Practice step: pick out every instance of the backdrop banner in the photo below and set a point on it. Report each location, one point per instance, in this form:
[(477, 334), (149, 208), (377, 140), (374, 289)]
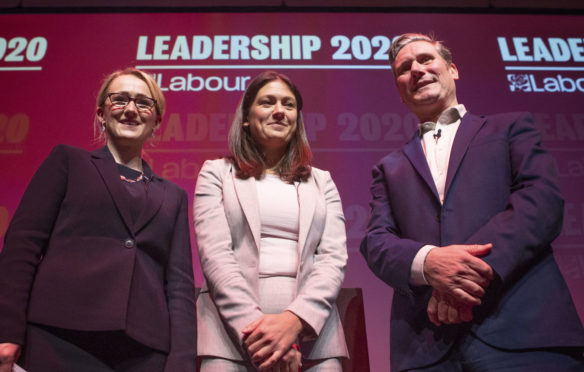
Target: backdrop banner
[(52, 65)]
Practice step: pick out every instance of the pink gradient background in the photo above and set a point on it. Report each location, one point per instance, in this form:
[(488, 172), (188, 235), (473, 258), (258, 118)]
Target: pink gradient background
[(353, 116)]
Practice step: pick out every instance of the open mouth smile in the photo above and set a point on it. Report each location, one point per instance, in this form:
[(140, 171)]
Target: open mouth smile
[(421, 85), (130, 123)]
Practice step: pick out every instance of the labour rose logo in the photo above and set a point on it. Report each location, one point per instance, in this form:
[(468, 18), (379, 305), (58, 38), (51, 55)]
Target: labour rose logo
[(519, 82)]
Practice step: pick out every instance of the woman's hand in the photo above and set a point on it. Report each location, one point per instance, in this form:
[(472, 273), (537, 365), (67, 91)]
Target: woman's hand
[(290, 362), (270, 337), (9, 353)]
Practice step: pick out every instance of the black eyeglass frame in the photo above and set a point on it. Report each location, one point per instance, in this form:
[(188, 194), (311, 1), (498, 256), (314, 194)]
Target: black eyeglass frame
[(130, 99)]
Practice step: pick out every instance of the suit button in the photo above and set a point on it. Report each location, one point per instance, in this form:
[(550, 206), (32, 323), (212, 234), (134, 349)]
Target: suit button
[(129, 243)]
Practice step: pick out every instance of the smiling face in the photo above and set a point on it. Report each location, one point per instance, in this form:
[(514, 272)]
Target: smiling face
[(272, 117), (128, 126), (425, 81)]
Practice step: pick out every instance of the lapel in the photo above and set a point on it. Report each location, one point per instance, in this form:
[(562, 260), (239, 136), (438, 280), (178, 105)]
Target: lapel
[(106, 166), (466, 131), (156, 195), (247, 195), (415, 153), (248, 200), (307, 194)]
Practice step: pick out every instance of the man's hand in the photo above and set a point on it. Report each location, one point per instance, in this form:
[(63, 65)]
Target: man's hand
[(9, 353), (269, 337), (458, 274), (444, 310)]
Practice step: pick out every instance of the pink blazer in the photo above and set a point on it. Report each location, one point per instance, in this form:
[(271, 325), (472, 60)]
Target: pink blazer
[(227, 227)]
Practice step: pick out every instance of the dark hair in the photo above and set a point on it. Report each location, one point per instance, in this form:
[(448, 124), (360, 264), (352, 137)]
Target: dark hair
[(405, 39), (247, 156)]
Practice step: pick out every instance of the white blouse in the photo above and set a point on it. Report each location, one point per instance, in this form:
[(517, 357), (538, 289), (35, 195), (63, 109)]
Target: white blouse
[(279, 210)]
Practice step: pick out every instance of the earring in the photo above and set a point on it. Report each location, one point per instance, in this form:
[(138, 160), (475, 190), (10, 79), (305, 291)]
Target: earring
[(153, 134), (102, 127)]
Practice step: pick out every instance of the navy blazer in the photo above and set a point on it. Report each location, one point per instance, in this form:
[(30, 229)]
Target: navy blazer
[(501, 188), (73, 258)]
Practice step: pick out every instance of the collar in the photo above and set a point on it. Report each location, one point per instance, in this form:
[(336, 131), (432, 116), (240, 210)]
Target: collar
[(449, 116), (146, 170)]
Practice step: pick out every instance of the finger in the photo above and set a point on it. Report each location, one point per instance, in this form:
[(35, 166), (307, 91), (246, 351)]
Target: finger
[(478, 249), (286, 366), (464, 297), (262, 353), (443, 312), (261, 350), (432, 310), (298, 361), (475, 270), (470, 287), (251, 326), (295, 364), (480, 266), (474, 261), (288, 361), (481, 269), (478, 279), (254, 338), (251, 346), (271, 360), (271, 369), (453, 317), (250, 339)]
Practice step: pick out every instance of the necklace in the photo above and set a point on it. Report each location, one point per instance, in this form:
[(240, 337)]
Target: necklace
[(140, 178)]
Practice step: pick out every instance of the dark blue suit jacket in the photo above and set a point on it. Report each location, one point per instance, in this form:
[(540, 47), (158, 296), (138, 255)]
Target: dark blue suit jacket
[(501, 188), (73, 258)]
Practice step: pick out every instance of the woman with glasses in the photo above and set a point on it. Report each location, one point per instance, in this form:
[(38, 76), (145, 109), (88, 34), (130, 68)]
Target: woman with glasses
[(271, 239), (96, 270)]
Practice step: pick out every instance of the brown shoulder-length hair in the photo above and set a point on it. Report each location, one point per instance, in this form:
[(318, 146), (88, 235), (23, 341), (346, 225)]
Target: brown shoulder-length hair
[(247, 156), (155, 90)]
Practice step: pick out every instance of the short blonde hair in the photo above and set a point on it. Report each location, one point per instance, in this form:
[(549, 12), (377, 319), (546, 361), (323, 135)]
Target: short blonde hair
[(155, 91)]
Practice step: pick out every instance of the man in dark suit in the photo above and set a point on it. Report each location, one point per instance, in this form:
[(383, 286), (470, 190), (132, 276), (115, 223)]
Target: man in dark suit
[(461, 224)]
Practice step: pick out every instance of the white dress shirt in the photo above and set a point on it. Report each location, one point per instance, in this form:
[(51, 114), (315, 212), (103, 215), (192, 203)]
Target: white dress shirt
[(437, 145)]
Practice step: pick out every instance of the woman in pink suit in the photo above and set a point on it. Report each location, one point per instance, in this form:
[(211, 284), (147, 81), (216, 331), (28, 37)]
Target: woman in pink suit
[(271, 238)]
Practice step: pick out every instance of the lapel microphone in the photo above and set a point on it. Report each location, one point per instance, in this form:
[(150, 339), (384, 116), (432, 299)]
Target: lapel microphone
[(437, 134)]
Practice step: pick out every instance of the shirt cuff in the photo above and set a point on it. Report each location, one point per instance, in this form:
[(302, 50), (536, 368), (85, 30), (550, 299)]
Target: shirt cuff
[(417, 277)]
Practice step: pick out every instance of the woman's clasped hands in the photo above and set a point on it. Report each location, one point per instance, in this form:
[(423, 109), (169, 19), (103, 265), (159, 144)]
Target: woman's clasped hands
[(270, 342)]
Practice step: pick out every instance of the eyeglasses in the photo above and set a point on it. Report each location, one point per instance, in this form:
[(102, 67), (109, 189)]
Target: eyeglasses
[(122, 100)]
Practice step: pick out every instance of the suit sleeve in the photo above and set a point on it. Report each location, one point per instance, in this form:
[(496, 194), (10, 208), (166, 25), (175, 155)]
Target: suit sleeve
[(387, 254), (180, 291), (315, 299), (522, 233), (231, 293), (25, 241)]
